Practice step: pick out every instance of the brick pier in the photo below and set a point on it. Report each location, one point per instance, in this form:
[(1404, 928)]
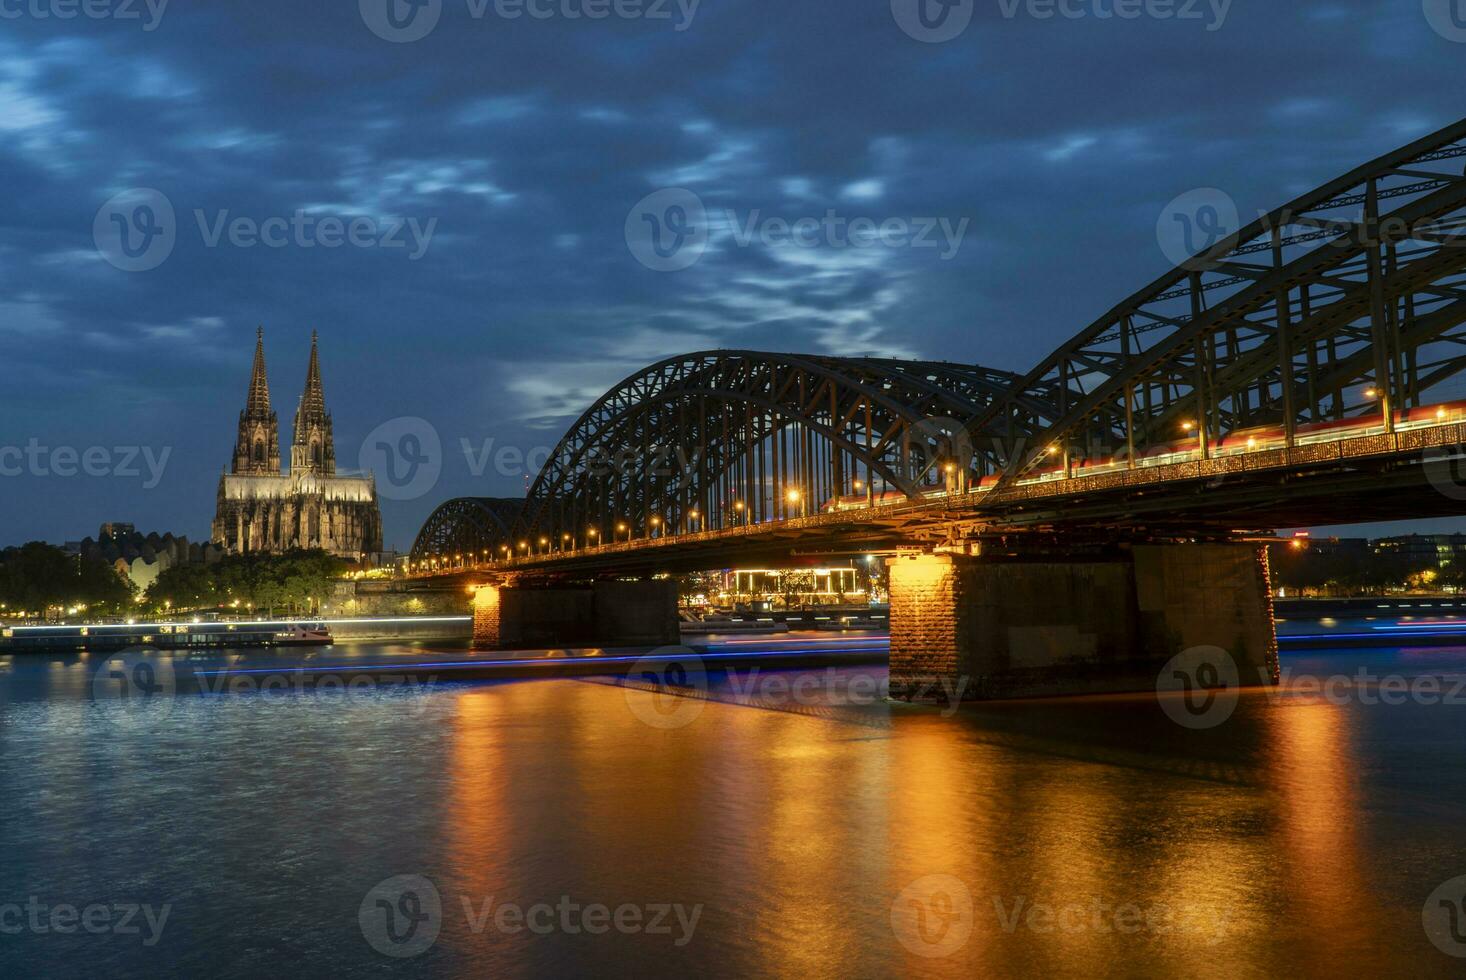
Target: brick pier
[(1015, 628), (604, 614)]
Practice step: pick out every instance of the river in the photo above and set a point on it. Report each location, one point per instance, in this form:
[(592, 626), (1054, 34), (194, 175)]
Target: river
[(789, 823)]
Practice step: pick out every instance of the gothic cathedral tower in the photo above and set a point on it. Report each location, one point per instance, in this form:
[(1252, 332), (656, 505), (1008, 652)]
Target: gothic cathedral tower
[(312, 450), (257, 448), (261, 510)]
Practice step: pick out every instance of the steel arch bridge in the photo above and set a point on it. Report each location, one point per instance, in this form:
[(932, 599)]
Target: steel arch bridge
[(469, 525), (1337, 314)]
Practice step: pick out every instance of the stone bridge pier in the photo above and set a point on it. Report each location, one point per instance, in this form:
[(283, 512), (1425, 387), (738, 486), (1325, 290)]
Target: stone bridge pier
[(1009, 627), (507, 617)]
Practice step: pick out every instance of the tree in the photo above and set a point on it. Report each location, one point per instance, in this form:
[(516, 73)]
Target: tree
[(38, 576), (297, 581)]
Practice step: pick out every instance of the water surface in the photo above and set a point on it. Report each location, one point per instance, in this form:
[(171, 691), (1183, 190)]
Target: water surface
[(824, 833)]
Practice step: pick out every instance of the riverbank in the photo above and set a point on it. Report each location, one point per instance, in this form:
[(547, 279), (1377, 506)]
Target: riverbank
[(1400, 605)]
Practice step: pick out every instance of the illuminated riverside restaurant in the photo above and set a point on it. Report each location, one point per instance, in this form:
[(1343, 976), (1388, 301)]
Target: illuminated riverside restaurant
[(801, 586)]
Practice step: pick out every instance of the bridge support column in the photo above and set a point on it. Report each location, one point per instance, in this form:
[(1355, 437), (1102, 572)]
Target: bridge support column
[(1018, 628), (605, 614)]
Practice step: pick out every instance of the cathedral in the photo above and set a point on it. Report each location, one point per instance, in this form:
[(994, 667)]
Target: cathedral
[(261, 509)]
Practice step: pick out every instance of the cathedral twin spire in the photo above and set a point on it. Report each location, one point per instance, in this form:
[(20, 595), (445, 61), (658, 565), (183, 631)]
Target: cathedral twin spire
[(257, 449)]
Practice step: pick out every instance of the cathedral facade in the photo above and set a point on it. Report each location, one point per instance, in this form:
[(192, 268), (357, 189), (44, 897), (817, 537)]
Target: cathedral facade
[(261, 509)]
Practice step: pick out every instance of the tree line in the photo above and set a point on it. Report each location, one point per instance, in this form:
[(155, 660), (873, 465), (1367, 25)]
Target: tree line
[(38, 577), (291, 583)]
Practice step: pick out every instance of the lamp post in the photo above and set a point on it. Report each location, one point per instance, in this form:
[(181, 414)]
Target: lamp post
[(795, 499), (654, 524)]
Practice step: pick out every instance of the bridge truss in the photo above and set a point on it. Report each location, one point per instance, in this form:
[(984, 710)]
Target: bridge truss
[(1345, 305)]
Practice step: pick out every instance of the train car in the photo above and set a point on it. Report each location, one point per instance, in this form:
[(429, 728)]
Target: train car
[(860, 501)]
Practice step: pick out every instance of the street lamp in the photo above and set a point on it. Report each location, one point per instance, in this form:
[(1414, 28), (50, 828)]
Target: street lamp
[(589, 534), (742, 509), (796, 498), (623, 528), (656, 522), (691, 516)]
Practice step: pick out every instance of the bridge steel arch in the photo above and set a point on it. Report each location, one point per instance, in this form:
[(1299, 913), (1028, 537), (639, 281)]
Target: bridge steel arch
[(718, 438), (1341, 304), (1345, 304), (477, 527)]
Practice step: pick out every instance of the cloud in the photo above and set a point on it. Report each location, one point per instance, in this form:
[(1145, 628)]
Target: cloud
[(1058, 142)]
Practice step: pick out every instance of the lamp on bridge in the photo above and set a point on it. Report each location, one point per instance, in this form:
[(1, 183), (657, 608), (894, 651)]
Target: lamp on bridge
[(692, 515), (796, 499), (655, 523), (590, 534), (741, 508), (543, 543), (624, 528)]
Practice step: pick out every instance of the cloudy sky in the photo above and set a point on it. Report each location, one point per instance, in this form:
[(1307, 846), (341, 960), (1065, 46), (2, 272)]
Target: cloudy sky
[(488, 160)]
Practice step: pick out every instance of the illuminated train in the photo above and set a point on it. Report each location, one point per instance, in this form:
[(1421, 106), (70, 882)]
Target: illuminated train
[(1252, 440)]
